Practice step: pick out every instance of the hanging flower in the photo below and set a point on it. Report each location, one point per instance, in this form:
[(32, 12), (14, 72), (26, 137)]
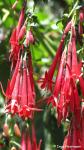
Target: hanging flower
[(17, 34), (65, 96), (47, 81), (20, 91)]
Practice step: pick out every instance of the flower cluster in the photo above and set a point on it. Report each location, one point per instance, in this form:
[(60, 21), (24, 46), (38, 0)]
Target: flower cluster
[(19, 35), (65, 96), (20, 90), (47, 81)]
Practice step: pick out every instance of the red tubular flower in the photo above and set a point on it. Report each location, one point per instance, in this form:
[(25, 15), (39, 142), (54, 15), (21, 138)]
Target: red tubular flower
[(20, 90), (76, 67), (67, 28), (13, 40), (8, 93), (60, 109), (49, 75), (16, 87), (58, 83), (69, 56), (24, 85), (23, 142), (72, 100), (81, 14), (67, 74), (22, 33), (31, 100), (20, 22), (76, 100), (74, 54), (15, 46), (30, 69), (65, 88), (31, 37), (59, 76), (12, 82), (47, 82), (13, 89)]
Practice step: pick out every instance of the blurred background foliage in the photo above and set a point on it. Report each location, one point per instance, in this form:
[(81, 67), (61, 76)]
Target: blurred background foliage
[(49, 19)]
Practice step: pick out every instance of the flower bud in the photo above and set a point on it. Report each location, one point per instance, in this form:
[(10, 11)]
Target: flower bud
[(81, 15), (22, 33), (73, 31), (17, 130), (31, 38), (6, 129), (68, 27)]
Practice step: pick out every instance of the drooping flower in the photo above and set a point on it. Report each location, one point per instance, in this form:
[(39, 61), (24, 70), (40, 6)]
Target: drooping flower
[(58, 81), (74, 53), (30, 69), (17, 34), (47, 81), (65, 96), (59, 76), (20, 90)]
